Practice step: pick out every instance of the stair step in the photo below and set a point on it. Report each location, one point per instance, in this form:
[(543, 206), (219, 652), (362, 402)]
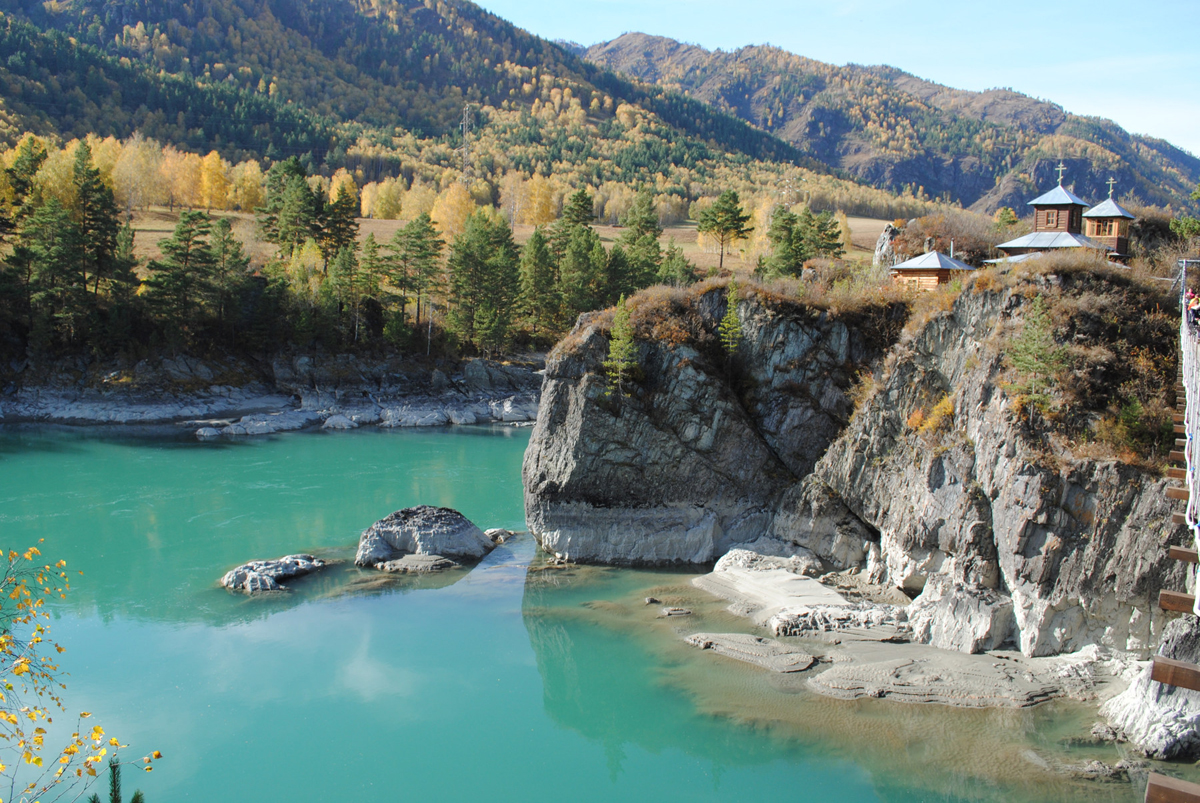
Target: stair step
[(1181, 443), (1177, 457), (1180, 494), (1184, 554), (1179, 518), (1180, 429), (1177, 418), (1176, 601), (1164, 789), (1175, 473)]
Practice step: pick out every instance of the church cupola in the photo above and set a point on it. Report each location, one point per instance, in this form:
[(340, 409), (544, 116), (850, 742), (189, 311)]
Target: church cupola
[(1059, 210), (1108, 223)]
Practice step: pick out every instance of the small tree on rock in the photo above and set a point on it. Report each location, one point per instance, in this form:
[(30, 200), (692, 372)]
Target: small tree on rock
[(731, 325), (622, 349)]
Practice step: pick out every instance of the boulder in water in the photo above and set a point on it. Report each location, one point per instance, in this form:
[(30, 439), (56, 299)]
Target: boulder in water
[(422, 530), (266, 575)]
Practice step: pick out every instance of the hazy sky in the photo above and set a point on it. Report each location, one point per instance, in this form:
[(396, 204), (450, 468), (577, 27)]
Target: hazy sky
[(1135, 62)]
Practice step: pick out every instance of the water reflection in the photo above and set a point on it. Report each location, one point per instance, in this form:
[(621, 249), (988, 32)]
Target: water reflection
[(616, 673)]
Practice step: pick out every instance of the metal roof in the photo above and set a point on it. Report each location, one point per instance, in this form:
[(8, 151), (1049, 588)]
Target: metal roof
[(1059, 196), (1053, 239), (1017, 258), (1109, 208), (934, 260)]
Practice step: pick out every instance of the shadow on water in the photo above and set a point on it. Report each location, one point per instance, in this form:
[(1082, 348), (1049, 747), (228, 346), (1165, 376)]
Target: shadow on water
[(615, 672)]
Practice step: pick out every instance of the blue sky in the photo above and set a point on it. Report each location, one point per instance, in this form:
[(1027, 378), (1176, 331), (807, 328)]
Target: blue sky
[(1137, 63)]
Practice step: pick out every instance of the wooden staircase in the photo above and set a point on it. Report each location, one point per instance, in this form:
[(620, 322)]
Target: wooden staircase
[(1161, 788)]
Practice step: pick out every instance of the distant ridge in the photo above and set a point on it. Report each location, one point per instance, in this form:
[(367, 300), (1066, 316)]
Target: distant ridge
[(895, 131)]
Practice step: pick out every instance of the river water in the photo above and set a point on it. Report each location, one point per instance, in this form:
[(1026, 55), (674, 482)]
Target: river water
[(512, 681)]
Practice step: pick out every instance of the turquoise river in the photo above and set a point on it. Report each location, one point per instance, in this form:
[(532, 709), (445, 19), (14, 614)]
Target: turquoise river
[(513, 681)]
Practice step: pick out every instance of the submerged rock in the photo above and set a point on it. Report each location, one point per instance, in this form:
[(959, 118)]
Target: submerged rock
[(266, 575), (417, 564), (767, 653), (424, 530), (1160, 720)]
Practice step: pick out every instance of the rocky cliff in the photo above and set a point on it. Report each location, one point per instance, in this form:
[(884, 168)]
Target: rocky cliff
[(939, 481)]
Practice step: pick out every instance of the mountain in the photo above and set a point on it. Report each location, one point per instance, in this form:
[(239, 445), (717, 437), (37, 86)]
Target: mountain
[(896, 131), (381, 64)]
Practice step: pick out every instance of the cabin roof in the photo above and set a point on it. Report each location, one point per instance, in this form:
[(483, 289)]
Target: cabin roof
[(1109, 208), (1053, 239), (934, 260), (1016, 258), (1059, 196)]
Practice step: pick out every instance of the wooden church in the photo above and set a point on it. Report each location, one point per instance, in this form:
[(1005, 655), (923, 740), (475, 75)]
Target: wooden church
[(1058, 218)]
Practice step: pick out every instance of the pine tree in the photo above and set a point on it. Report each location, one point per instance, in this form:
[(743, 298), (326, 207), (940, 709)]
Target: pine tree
[(622, 350), (413, 259), (731, 324), (583, 272), (675, 268), (340, 228), (577, 214), (726, 222), (96, 217), (484, 280), (539, 295), (229, 267), (182, 280), (640, 243), (1036, 356), (49, 251)]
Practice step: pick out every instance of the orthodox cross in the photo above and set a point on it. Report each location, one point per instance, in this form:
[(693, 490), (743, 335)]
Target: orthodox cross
[(1111, 182), (1061, 169)]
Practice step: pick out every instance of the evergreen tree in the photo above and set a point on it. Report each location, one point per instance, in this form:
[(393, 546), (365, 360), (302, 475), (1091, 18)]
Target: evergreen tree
[(182, 280), (413, 261), (640, 242), (484, 279), (782, 236), (29, 159), (539, 295), (726, 222), (96, 217), (344, 273), (620, 280), (818, 236), (583, 273), (340, 229), (114, 785), (577, 214), (278, 178), (675, 268), (1035, 355), (229, 266), (49, 250), (298, 220), (622, 350), (731, 324)]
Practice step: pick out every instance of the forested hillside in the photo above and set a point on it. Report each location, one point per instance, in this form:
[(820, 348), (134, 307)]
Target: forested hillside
[(895, 131)]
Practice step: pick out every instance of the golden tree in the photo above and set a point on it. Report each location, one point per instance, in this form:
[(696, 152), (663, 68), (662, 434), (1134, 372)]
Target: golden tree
[(214, 181), (452, 209)]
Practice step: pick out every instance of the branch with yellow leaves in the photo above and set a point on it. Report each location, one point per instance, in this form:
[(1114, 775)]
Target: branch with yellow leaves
[(30, 691)]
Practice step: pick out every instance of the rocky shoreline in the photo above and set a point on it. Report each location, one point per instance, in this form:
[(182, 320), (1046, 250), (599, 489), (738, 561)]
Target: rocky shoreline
[(230, 398)]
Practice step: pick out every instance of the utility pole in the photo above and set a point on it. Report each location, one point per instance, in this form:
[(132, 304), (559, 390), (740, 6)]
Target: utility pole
[(465, 150)]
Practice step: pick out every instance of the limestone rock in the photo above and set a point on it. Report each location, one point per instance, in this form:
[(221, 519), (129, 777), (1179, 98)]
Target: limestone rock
[(684, 466), (208, 433), (809, 620), (423, 530), (762, 593), (917, 674), (953, 616), (768, 553), (1161, 721), (885, 249), (767, 653), (338, 422), (266, 575)]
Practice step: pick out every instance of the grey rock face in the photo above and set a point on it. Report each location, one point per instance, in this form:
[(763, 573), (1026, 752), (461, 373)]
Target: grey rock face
[(684, 466), (885, 249), (417, 564), (1162, 721), (423, 530), (266, 575), (808, 620)]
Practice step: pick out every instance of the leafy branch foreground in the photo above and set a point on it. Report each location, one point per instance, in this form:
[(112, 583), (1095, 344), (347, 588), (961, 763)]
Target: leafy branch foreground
[(31, 683)]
